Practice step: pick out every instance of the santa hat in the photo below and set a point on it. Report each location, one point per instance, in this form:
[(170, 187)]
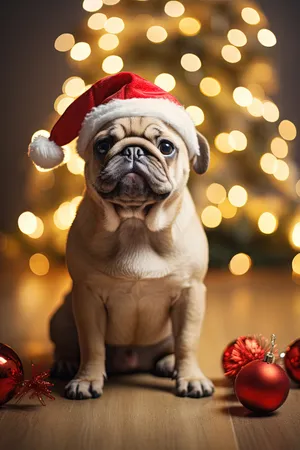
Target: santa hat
[(122, 95)]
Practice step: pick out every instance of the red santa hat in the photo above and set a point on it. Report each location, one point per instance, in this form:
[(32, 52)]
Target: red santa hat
[(122, 95)]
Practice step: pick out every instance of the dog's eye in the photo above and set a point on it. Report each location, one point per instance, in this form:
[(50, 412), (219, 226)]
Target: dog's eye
[(102, 146), (166, 148)]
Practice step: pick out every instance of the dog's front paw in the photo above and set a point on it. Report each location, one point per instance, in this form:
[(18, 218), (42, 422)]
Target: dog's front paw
[(82, 389), (194, 387)]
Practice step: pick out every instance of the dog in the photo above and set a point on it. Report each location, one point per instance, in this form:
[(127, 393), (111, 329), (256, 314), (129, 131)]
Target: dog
[(137, 254)]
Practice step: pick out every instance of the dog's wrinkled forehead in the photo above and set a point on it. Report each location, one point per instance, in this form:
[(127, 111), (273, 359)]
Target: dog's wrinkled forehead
[(149, 128)]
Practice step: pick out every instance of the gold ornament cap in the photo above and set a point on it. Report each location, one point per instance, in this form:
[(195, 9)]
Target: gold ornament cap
[(269, 356)]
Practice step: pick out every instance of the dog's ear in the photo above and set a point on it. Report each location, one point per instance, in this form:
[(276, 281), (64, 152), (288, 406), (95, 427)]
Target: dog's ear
[(201, 162)]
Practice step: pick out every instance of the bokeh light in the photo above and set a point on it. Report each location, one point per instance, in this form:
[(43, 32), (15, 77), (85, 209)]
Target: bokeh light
[(114, 25), (64, 216), (250, 16), (156, 34), (44, 133), (282, 171), (222, 143), (216, 193), (80, 51), (256, 108), (97, 21), (270, 111), (287, 130), (240, 264), (298, 188), (189, 26), (74, 86), (237, 37), (108, 41), (237, 140), (92, 5), (268, 163), (231, 54), (39, 264), (228, 211), (196, 114), (64, 42), (165, 81), (210, 86), (38, 232), (296, 264), (110, 2), (62, 103), (174, 9), (266, 37), (190, 62), (267, 223), (295, 235), (238, 196), (27, 222), (211, 216), (112, 64), (242, 96), (75, 165), (279, 147)]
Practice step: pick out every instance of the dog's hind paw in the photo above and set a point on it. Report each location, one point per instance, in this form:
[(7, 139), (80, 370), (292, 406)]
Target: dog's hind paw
[(65, 370)]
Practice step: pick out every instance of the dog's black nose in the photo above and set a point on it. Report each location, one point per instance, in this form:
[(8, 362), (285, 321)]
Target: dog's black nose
[(132, 152)]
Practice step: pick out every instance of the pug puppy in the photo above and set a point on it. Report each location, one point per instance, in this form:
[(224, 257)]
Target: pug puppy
[(138, 255)]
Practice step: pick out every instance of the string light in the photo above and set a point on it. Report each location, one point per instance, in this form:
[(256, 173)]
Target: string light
[(268, 163), (80, 51), (216, 193), (189, 26), (92, 5), (210, 87), (112, 64), (165, 81), (240, 264), (279, 147), (237, 140), (62, 103), (44, 133), (74, 86), (270, 111), (267, 223), (228, 211), (108, 41), (39, 264), (266, 37), (211, 216), (231, 54), (39, 229), (295, 235), (222, 143), (296, 264), (97, 21), (196, 114), (250, 16), (237, 37), (190, 62), (156, 34), (114, 25), (27, 222), (174, 9), (287, 130), (242, 96), (238, 196), (64, 42), (256, 108), (282, 171)]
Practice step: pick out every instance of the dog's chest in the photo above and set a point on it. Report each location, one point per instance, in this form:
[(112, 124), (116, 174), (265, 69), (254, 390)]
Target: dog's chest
[(138, 313)]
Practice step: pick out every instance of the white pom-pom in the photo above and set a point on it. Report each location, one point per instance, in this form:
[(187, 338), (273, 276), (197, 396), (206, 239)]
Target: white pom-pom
[(45, 153)]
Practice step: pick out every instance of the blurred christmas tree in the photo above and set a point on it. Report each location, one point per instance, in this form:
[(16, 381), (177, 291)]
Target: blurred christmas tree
[(215, 57)]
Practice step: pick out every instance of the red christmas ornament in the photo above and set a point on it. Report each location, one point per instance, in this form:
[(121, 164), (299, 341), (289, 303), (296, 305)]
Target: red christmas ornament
[(243, 350), (292, 361), (262, 386), (12, 383)]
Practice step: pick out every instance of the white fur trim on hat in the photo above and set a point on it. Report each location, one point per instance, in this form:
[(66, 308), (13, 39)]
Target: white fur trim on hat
[(161, 108), (45, 153)]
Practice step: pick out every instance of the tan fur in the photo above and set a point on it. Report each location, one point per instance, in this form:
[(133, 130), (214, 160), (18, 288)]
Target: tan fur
[(138, 278)]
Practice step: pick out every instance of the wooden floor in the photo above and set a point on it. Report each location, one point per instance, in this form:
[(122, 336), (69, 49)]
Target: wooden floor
[(141, 412)]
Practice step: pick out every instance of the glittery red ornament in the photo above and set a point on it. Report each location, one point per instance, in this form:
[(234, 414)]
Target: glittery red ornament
[(243, 350), (262, 387), (12, 383), (10, 367), (292, 361)]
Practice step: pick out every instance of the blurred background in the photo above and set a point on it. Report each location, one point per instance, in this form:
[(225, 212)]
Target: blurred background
[(232, 63)]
